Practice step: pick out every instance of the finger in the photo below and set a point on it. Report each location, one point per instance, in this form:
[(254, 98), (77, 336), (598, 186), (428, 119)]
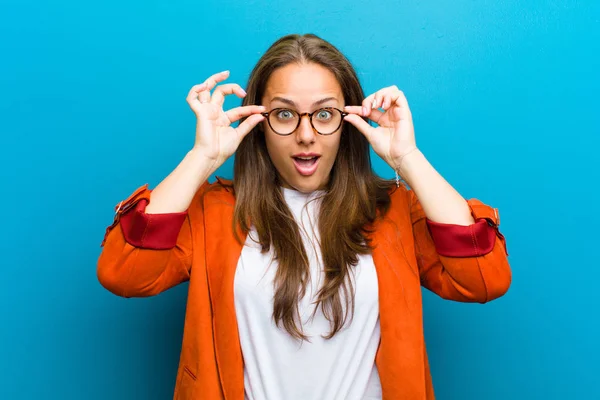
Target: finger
[(196, 88), (386, 100), (237, 113), (393, 96), (204, 96), (389, 96), (248, 124), (360, 124), (367, 104), (221, 91), (376, 100), (382, 98), (374, 115), (399, 99), (358, 110), (193, 93), (215, 79)]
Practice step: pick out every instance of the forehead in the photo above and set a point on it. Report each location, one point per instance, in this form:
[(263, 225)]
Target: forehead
[(304, 84)]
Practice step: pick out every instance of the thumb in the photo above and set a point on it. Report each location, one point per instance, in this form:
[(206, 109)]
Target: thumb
[(360, 124), (245, 127)]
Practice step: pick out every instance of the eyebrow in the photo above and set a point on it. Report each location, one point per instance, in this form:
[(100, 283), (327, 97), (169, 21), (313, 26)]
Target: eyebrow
[(291, 103)]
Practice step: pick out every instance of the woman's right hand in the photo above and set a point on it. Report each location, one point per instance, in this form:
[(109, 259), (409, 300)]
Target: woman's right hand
[(216, 139)]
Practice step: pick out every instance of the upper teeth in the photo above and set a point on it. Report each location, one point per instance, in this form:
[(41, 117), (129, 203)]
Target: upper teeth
[(306, 158)]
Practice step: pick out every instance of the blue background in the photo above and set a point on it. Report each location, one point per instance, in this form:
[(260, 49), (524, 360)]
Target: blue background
[(92, 105)]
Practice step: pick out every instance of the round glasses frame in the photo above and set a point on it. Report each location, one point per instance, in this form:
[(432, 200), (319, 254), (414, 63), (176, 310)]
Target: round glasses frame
[(267, 115)]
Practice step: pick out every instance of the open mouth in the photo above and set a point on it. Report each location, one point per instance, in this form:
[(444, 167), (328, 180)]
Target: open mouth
[(306, 165)]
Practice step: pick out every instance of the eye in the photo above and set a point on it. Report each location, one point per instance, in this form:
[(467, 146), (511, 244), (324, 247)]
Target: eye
[(285, 115), (324, 115)]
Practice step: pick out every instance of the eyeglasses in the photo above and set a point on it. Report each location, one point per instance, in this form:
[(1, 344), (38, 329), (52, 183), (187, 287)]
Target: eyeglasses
[(324, 121)]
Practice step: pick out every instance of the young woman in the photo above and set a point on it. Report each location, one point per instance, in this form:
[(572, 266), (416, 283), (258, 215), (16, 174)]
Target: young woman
[(305, 270)]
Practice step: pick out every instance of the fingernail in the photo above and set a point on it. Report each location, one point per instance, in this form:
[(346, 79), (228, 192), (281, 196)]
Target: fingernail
[(364, 111)]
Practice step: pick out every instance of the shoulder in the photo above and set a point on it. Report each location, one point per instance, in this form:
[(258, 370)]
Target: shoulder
[(219, 191), (403, 204), (401, 197)]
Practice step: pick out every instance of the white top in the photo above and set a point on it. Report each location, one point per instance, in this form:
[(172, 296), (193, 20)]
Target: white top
[(277, 366)]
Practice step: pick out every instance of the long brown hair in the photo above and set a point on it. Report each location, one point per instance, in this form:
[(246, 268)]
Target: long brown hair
[(353, 197)]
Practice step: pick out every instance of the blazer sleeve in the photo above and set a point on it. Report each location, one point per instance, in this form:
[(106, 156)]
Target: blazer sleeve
[(461, 263), (146, 254)]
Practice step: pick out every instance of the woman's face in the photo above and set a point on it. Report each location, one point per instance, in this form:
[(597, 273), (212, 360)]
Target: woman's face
[(303, 159)]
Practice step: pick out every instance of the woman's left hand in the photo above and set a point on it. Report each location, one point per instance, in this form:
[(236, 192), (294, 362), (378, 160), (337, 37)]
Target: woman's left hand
[(395, 136)]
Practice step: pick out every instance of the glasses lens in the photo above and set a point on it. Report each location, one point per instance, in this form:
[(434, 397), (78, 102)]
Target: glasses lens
[(327, 120), (283, 121)]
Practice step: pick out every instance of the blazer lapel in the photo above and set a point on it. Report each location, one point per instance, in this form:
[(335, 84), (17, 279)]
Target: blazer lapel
[(222, 255), (400, 313)]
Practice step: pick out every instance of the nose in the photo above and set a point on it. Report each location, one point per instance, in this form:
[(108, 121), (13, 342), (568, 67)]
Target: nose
[(305, 134)]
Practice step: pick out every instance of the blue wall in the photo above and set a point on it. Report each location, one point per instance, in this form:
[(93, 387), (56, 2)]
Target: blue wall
[(92, 105)]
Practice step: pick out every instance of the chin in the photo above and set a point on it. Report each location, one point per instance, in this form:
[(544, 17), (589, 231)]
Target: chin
[(307, 186)]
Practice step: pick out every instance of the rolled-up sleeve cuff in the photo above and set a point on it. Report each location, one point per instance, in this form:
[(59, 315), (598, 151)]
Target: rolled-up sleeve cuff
[(463, 241), (151, 231)]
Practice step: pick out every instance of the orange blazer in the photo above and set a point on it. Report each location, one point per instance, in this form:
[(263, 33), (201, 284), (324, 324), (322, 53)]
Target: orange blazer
[(145, 254)]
